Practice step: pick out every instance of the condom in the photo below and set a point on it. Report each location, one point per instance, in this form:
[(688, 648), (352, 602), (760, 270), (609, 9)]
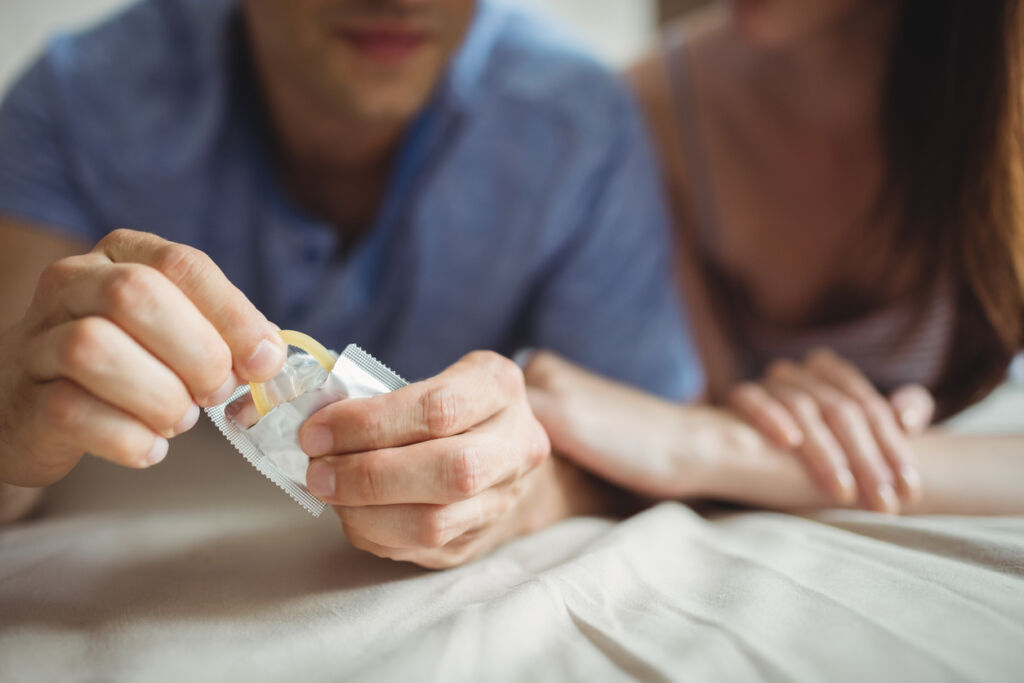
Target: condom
[(262, 420)]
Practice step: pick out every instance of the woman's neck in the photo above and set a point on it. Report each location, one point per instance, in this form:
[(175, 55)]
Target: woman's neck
[(831, 78)]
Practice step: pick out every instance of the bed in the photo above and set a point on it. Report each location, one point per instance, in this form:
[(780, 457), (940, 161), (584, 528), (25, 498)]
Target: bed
[(199, 569)]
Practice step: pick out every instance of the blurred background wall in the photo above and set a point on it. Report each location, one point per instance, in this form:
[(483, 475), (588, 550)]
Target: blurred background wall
[(616, 30)]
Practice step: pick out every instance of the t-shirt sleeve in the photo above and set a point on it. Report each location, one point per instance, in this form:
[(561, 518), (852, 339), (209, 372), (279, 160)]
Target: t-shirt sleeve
[(38, 172), (610, 301)]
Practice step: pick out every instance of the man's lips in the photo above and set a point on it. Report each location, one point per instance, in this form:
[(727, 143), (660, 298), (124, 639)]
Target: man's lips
[(386, 45)]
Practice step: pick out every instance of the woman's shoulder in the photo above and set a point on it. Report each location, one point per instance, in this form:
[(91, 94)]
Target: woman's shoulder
[(699, 30), (654, 81), (654, 77)]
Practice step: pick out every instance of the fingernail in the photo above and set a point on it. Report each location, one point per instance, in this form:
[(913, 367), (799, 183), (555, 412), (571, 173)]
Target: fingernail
[(911, 481), (794, 438), (846, 486), (222, 394), (911, 418), (266, 360), (158, 452), (316, 440), (886, 500), (320, 479), (232, 409), (188, 421)]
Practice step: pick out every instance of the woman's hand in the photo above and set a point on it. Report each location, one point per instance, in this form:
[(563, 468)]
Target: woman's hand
[(852, 439)]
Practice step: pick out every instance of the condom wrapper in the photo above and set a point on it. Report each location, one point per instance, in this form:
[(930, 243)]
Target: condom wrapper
[(262, 421)]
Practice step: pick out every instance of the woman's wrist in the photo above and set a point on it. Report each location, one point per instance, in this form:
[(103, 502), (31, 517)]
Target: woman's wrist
[(635, 440), (647, 445), (698, 449), (723, 457)]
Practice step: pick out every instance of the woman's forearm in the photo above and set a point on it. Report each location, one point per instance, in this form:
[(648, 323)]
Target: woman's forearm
[(970, 474), (962, 474), (664, 450)]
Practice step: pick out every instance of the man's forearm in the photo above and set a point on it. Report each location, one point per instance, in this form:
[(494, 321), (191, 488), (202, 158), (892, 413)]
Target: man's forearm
[(979, 475)]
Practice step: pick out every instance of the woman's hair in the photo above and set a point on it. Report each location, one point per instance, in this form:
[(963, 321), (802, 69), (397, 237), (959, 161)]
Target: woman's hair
[(953, 134)]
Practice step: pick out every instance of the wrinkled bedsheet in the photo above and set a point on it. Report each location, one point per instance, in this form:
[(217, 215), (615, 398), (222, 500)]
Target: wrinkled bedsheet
[(199, 569)]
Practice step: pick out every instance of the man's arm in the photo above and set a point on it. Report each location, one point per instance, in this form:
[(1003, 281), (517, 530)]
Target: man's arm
[(25, 250)]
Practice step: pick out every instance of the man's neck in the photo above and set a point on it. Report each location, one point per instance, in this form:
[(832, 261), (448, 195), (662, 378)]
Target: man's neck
[(312, 139), (334, 167)]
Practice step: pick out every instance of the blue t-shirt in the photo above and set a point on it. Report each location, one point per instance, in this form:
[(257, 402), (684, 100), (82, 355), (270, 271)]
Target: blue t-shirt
[(525, 208)]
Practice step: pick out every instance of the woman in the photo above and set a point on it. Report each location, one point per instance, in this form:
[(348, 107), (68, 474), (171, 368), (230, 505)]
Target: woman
[(847, 181)]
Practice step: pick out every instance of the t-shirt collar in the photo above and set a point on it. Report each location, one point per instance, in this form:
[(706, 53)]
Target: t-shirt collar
[(466, 71)]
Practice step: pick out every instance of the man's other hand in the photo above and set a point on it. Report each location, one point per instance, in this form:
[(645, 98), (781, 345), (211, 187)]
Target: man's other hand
[(435, 473)]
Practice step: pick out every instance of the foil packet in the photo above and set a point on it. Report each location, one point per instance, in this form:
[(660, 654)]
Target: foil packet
[(262, 421)]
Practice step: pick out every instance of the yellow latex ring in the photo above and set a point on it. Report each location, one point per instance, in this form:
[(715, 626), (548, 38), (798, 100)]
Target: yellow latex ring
[(299, 341)]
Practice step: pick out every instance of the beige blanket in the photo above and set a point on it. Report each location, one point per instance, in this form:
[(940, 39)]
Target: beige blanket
[(201, 570)]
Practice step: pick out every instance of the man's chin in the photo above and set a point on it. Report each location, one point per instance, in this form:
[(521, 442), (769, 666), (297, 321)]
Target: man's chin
[(364, 93), (387, 108)]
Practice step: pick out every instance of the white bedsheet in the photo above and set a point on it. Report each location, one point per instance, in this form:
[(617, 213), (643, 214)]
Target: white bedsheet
[(201, 570)]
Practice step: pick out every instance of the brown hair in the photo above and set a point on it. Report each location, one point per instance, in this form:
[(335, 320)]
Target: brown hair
[(953, 132)]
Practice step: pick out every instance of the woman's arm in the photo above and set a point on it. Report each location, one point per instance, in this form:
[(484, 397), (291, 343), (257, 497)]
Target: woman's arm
[(664, 450), (650, 83), (961, 475)]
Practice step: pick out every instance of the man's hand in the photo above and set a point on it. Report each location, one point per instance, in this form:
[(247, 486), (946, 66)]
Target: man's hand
[(853, 440), (435, 473), (116, 353)]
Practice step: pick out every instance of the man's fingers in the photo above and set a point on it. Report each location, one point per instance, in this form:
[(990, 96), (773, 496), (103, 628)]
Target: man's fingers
[(769, 416), (459, 551), (256, 347), (425, 526), (362, 543), (72, 416), (441, 471), (101, 358), (820, 451), (915, 407), (466, 394), (157, 314)]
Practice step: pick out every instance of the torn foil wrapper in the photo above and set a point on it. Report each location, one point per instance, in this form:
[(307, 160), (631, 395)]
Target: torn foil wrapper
[(271, 444)]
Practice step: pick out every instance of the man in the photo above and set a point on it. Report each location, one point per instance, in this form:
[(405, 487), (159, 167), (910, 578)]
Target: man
[(421, 177)]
